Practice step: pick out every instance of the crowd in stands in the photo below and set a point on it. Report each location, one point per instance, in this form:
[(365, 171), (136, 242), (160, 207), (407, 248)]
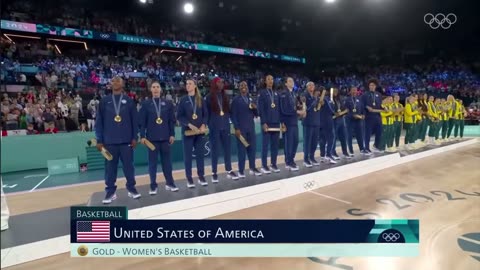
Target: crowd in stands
[(80, 17), (63, 93)]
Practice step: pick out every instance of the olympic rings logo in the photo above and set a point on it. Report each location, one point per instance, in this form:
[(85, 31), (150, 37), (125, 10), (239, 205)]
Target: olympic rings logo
[(104, 36), (309, 185), (207, 149), (391, 237), (440, 20)]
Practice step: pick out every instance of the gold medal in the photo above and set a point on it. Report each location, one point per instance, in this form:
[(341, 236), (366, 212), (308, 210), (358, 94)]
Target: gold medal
[(118, 118), (221, 113), (159, 120), (194, 116), (272, 105), (250, 106)]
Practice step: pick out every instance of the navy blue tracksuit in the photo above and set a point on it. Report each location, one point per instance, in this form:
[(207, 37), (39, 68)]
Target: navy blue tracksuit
[(158, 135), (116, 138), (242, 118), (373, 121), (326, 128), (339, 125), (355, 126), (311, 128), (288, 116), (219, 134), (271, 117), (185, 111)]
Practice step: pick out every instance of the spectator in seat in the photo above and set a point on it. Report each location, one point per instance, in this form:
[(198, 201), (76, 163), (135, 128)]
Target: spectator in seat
[(47, 118), (31, 130), (51, 129)]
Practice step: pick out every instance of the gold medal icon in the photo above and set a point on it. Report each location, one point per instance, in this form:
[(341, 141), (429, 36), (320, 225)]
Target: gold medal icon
[(273, 105), (222, 113), (194, 116), (159, 121), (82, 250), (118, 118)]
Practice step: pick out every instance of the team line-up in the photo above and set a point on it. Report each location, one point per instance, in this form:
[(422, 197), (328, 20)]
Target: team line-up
[(325, 115)]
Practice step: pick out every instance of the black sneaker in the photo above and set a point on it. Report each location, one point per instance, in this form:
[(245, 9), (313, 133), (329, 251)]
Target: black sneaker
[(255, 172), (274, 168), (190, 183), (214, 178), (307, 164), (202, 181), (241, 175), (109, 198), (134, 194), (232, 175), (314, 162), (266, 170), (294, 167), (153, 191)]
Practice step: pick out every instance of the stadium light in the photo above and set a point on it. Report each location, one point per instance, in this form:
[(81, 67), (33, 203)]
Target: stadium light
[(188, 8), (143, 1), (329, 1)]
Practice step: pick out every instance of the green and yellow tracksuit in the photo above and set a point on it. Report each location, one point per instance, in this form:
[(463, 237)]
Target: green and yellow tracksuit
[(444, 119), (410, 119), (433, 118), (460, 120), (397, 124), (387, 125), (423, 125), (452, 113)]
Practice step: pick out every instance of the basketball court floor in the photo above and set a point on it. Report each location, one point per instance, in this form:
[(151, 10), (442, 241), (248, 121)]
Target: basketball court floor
[(440, 186)]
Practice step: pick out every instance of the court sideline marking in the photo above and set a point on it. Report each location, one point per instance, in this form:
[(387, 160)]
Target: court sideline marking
[(328, 197), (46, 177)]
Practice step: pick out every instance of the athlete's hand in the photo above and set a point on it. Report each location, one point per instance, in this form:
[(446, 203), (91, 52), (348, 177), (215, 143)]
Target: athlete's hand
[(192, 127), (99, 147), (133, 144), (203, 129), (143, 140), (265, 128), (171, 140), (237, 132)]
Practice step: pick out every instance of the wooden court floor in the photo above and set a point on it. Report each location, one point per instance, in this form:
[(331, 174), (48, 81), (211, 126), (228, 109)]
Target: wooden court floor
[(443, 191)]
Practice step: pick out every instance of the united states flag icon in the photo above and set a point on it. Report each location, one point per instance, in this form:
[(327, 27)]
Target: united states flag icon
[(93, 231)]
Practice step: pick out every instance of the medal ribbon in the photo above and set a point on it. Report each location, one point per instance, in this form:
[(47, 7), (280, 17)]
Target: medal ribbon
[(158, 108), (117, 107)]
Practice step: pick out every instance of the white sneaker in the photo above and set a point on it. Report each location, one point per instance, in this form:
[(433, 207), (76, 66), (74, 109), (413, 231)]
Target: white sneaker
[(134, 195), (307, 164), (190, 185), (336, 157), (266, 170), (294, 168), (331, 160), (153, 191), (255, 172), (241, 175), (171, 188), (109, 199)]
